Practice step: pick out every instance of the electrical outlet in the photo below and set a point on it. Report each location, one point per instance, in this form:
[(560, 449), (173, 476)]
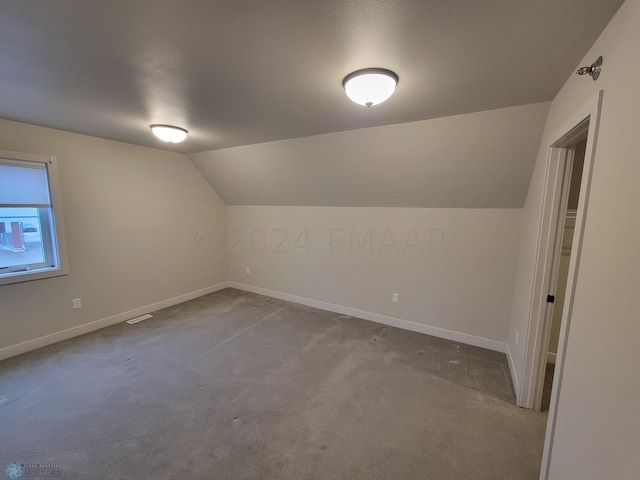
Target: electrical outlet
[(517, 335), (247, 271), (395, 298), (77, 303)]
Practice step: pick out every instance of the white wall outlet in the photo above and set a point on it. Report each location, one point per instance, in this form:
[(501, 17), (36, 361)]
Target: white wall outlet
[(77, 303), (517, 335), (247, 271), (395, 298)]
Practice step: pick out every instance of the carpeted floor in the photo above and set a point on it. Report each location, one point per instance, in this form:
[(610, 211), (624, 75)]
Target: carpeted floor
[(235, 386)]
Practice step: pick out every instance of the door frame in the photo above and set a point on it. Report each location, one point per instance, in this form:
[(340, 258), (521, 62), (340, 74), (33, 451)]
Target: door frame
[(560, 153), (560, 157), (565, 161)]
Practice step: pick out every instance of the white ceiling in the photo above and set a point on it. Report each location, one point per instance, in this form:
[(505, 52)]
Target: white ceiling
[(475, 160), (242, 72)]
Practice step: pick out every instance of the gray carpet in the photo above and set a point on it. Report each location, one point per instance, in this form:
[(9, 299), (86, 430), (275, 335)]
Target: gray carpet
[(240, 386)]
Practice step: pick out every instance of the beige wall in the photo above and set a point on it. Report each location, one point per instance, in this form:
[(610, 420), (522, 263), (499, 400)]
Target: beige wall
[(140, 225), (134, 225), (453, 268), (598, 428)]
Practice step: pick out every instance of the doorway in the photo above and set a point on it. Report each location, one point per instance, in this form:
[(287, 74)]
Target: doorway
[(562, 258), (563, 143)]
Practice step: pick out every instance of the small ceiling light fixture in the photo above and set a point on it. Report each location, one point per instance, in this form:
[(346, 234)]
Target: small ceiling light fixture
[(370, 86), (169, 133)]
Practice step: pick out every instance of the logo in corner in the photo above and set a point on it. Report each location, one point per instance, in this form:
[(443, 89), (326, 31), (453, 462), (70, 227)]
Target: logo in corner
[(14, 470)]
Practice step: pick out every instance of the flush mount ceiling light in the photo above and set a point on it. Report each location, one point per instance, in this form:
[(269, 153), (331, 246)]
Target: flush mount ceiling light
[(169, 133), (370, 86)]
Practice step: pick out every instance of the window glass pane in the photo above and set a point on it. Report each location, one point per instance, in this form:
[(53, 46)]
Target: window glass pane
[(21, 241)]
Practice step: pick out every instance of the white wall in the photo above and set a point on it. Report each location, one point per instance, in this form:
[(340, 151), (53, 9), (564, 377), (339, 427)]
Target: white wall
[(453, 268), (598, 427), (467, 173), (134, 225)]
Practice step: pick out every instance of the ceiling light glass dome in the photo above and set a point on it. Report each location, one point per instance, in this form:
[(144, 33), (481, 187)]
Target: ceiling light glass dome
[(169, 133), (370, 86)]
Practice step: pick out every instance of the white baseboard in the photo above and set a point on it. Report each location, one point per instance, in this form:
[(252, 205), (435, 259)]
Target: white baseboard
[(375, 317), (29, 345), (551, 357), (514, 374)]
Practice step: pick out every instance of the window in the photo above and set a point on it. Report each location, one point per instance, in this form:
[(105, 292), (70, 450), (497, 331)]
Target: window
[(31, 230)]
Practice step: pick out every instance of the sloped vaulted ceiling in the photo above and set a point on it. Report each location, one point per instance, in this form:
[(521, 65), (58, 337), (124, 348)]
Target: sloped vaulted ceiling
[(240, 72), (258, 85), (478, 160)]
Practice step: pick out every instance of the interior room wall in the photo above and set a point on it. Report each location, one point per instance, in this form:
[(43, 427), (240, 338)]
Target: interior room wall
[(141, 226), (467, 172), (597, 431), (452, 268)]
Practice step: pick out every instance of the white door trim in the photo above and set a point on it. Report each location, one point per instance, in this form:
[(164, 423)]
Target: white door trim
[(565, 135), (566, 166), (535, 351), (542, 275)]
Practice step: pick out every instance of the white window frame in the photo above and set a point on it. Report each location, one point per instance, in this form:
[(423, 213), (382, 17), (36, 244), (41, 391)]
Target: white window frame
[(61, 266)]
